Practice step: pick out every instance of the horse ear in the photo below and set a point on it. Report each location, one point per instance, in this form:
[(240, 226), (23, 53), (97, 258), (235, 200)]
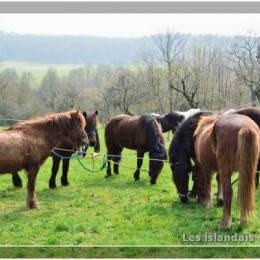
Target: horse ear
[(84, 114), (96, 112), (76, 114)]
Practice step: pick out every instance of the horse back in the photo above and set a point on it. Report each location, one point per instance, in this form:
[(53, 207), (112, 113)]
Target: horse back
[(126, 131), (252, 112)]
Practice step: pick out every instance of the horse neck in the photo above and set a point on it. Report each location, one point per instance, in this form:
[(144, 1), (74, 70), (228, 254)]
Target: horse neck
[(52, 136), (186, 140)]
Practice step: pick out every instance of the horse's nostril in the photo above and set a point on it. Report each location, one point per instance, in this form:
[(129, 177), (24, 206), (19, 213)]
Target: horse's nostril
[(92, 143)]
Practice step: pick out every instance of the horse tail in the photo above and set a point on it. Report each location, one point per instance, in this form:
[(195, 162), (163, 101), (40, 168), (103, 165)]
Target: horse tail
[(154, 138), (248, 153), (205, 120)]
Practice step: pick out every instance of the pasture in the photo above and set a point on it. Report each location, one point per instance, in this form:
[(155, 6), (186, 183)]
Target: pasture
[(95, 210)]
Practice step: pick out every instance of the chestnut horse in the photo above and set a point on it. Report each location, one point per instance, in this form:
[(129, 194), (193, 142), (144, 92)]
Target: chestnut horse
[(254, 114), (26, 145), (92, 132), (140, 133), (227, 144)]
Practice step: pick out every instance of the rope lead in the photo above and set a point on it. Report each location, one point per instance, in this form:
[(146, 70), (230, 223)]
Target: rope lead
[(103, 165)]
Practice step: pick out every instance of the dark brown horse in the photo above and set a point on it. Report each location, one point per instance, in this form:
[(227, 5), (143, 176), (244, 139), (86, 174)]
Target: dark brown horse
[(28, 144), (92, 132), (140, 133), (227, 144)]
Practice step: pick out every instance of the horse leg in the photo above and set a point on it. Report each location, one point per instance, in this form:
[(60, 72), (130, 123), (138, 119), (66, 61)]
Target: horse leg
[(193, 192), (17, 181), (31, 198), (204, 186), (109, 158), (118, 150), (65, 168), (257, 179), (207, 203), (54, 170), (140, 156), (220, 200), (225, 181), (155, 168)]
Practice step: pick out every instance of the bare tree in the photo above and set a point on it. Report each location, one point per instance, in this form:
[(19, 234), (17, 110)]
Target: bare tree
[(170, 46), (152, 78), (244, 54), (125, 91)]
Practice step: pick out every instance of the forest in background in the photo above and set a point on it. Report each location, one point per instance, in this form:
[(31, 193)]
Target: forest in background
[(167, 72)]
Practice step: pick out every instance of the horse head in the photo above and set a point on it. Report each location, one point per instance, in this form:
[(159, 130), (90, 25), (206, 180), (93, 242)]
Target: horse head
[(77, 133), (181, 166), (91, 129)]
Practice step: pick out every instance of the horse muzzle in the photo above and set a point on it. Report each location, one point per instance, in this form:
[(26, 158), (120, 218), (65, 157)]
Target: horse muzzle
[(92, 143), (183, 197)]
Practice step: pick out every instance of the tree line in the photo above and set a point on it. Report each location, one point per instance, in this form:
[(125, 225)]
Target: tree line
[(177, 73)]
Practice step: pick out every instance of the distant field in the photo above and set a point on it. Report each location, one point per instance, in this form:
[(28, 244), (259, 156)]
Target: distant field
[(94, 210), (38, 70)]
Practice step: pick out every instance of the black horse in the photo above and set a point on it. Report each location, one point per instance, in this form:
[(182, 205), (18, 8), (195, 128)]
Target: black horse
[(182, 151), (92, 132), (170, 121)]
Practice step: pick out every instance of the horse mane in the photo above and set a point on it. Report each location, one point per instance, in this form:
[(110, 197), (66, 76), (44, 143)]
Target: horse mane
[(154, 137), (65, 120), (182, 143), (189, 113), (174, 115), (205, 120)]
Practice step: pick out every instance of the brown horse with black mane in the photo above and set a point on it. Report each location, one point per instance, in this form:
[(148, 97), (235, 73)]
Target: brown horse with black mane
[(226, 144), (141, 133), (26, 145)]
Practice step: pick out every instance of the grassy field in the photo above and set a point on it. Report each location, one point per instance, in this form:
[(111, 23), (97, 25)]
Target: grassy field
[(94, 210), (38, 70)]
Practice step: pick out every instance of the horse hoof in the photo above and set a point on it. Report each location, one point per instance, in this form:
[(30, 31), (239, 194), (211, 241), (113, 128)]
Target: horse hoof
[(116, 173), (52, 185), (65, 183), (207, 204), (108, 176), (225, 224), (18, 185), (220, 202), (32, 205), (137, 178), (192, 195), (152, 182)]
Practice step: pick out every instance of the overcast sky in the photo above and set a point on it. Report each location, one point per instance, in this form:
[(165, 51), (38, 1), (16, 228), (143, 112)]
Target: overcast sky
[(129, 25)]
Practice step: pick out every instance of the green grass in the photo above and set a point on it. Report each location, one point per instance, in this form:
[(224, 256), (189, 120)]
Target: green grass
[(94, 210)]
